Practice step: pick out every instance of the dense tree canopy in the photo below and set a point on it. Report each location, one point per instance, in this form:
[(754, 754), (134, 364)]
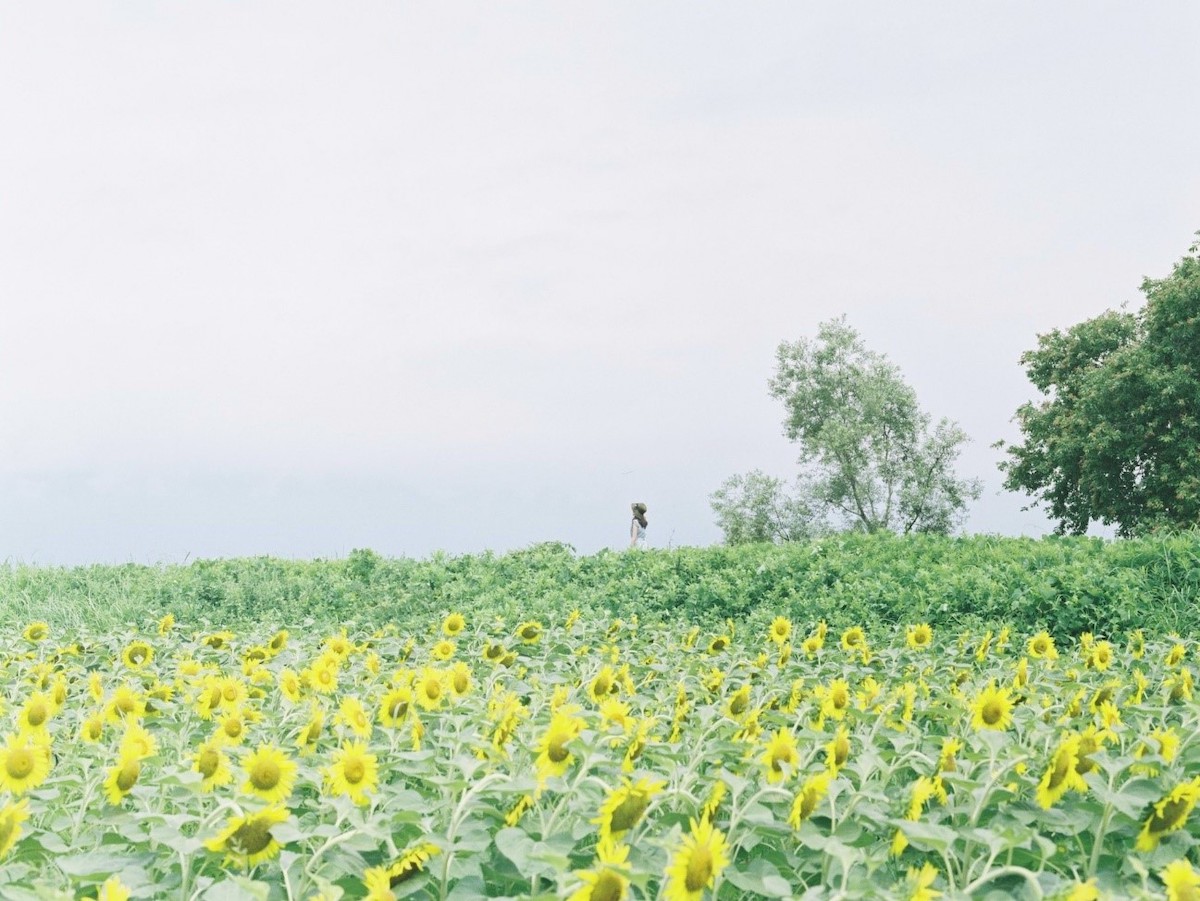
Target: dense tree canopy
[(870, 460), (1116, 438)]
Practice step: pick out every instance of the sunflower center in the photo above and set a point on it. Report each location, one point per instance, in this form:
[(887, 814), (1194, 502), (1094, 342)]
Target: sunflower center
[(739, 704), (529, 632), (233, 727), (608, 887), (36, 715), (628, 812), (398, 709), (208, 762), (354, 770), (138, 654), (433, 690), (265, 775), (1171, 816), (699, 869), (557, 751), (992, 713), (461, 682), (1062, 766), (252, 837), (128, 775), (841, 752), (19, 763)]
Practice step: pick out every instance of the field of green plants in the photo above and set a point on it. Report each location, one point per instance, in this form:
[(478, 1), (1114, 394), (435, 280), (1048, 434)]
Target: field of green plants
[(726, 723)]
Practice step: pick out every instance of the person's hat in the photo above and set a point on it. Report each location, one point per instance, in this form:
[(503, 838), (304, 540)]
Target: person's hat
[(638, 507)]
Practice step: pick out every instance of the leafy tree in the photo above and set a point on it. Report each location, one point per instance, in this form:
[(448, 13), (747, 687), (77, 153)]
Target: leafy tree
[(1116, 438), (870, 460), (757, 507)]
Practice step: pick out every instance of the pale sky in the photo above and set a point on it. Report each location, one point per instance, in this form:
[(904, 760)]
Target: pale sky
[(294, 278)]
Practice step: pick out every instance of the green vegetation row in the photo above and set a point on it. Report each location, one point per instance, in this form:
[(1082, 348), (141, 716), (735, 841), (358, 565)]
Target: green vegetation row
[(1067, 585)]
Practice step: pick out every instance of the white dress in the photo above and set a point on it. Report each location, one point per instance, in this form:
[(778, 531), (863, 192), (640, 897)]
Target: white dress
[(640, 539)]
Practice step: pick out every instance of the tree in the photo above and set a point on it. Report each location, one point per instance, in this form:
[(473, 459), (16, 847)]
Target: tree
[(756, 507), (869, 459), (1116, 438)]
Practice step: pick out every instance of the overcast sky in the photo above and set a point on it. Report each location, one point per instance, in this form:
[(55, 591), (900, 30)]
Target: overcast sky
[(295, 278)]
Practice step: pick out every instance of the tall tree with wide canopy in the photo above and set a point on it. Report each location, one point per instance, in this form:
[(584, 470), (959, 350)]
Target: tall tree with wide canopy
[(1116, 439)]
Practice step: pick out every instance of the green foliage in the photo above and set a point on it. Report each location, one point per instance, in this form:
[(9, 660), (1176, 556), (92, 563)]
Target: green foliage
[(1064, 584), (870, 457), (1115, 438), (756, 507)]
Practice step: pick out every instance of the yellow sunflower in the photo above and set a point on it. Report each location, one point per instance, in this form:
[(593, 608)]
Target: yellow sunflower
[(529, 632), (1168, 814), (696, 863), (430, 688), (309, 734), (459, 678), (137, 655), (166, 624), (602, 684), (11, 817), (290, 685), (606, 880), (38, 631), (278, 641), (212, 765), (624, 807), (781, 756), (853, 639), (554, 757), (91, 729), (453, 624), (270, 773), (24, 763), (354, 772), (354, 716), (780, 630), (122, 777), (113, 889), (1061, 776), (247, 840), (920, 880), (35, 712), (1181, 881), (738, 704), (837, 751), (809, 797), (992, 709), (442, 651), (919, 637), (125, 703), (394, 707), (1041, 647)]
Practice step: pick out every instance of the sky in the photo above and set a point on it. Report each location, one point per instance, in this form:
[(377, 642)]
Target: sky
[(297, 278)]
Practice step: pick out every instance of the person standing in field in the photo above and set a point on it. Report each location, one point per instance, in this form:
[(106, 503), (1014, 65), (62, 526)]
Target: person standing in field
[(637, 528)]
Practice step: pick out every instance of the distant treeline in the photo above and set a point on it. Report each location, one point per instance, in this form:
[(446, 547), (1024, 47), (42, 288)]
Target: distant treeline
[(1067, 585)]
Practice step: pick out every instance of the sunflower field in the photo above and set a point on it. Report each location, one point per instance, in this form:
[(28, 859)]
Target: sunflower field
[(593, 759)]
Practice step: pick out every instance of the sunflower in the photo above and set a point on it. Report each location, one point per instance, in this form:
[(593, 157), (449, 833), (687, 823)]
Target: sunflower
[(853, 639), (231, 728), (1041, 647), (946, 756), (554, 757), (696, 863), (529, 632), (738, 704), (412, 861), (919, 637), (572, 618), (780, 630), (602, 684), (1168, 814), (218, 640), (809, 797), (35, 713), (353, 715), (247, 840), (1061, 776), (290, 685), (1180, 880), (270, 774), (453, 624), (125, 703), (353, 772), (113, 889), (394, 707), (519, 810), (919, 881), (137, 655), (493, 652), (1137, 644), (837, 751), (122, 777), (430, 688), (91, 729), (624, 807), (459, 678), (11, 818), (443, 650), (212, 765), (992, 709), (378, 884), (836, 700), (278, 641), (1100, 656), (306, 740), (24, 763), (38, 631), (322, 677), (137, 741), (339, 645), (1177, 654), (811, 645), (718, 644), (781, 756), (606, 880)]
